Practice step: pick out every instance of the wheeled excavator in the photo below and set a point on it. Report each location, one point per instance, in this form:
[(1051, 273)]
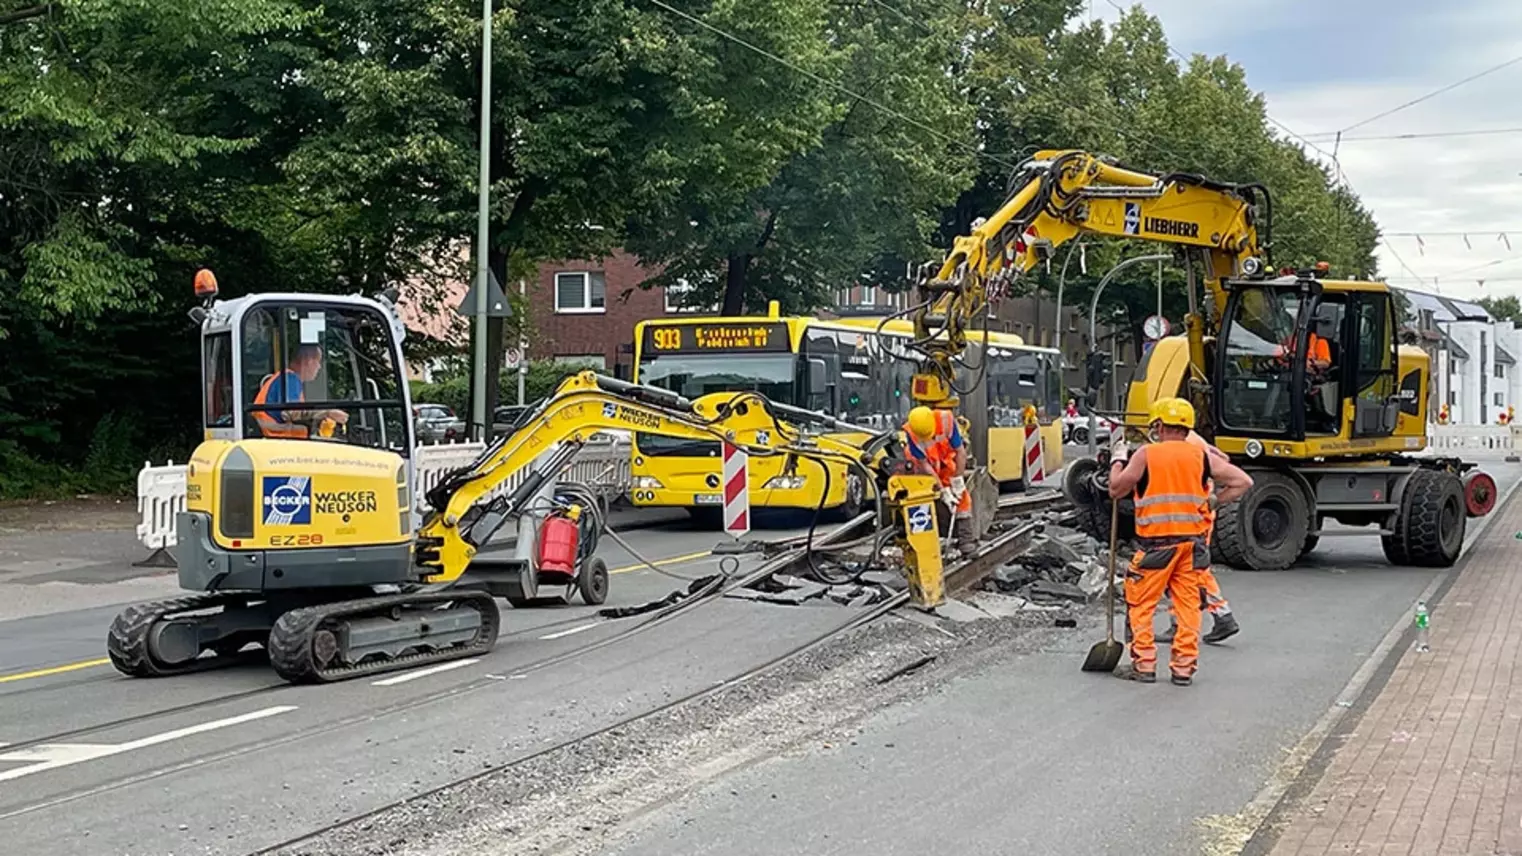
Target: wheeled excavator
[(300, 533), (1300, 378)]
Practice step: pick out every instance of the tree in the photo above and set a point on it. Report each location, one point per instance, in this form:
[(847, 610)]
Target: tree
[(1506, 308), (857, 196)]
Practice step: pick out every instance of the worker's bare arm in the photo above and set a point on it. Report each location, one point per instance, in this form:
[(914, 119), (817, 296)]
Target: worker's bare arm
[(1230, 480), (1124, 480)]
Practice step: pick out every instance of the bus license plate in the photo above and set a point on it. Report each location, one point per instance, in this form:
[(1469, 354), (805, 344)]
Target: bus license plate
[(708, 499)]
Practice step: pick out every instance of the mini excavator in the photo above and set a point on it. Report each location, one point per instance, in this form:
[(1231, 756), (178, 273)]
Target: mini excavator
[(1299, 377), (300, 533)]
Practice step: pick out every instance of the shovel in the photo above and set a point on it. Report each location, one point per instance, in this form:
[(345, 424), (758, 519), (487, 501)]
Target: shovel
[(1105, 655)]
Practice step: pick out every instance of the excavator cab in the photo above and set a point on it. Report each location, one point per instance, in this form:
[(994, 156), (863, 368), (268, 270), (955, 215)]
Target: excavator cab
[(1307, 368)]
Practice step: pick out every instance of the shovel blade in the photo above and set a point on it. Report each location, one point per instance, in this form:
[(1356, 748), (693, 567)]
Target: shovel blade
[(1104, 656)]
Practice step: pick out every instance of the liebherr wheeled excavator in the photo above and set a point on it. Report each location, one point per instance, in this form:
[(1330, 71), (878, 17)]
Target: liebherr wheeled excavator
[(1299, 377), (299, 533)]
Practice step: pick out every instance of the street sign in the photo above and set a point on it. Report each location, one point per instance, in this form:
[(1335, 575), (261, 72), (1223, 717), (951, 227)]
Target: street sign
[(496, 300), (1155, 327), (736, 491), (511, 356)]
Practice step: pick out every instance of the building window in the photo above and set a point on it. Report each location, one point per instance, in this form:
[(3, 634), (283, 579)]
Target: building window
[(580, 292), (1453, 398), (1499, 402), (676, 293), (869, 295), (1500, 371)]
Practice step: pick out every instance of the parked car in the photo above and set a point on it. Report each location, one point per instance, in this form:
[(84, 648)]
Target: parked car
[(436, 423), (505, 418), (1075, 430)]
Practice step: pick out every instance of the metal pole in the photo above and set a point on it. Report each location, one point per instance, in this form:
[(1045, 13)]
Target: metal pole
[(1062, 279), (483, 200), (1093, 329), (522, 345)]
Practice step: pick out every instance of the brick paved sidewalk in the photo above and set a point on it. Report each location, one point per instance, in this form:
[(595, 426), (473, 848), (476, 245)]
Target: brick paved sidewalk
[(1432, 768)]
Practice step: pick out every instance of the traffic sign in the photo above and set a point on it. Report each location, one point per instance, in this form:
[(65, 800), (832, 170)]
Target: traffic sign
[(736, 490), (496, 301), (1155, 327), (511, 357)]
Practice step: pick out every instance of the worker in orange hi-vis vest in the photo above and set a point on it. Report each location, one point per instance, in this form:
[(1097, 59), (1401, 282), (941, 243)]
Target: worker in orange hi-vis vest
[(1171, 482), (936, 447), (1223, 621)]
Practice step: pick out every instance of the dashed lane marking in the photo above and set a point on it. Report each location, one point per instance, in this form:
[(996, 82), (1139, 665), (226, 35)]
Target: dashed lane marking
[(51, 756), (661, 563), (404, 677), (569, 632)]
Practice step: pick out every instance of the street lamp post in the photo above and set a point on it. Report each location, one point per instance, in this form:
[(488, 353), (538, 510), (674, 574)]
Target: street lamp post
[(483, 200)]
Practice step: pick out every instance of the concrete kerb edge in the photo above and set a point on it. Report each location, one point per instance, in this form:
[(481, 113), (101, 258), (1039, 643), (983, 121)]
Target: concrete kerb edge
[(1299, 773)]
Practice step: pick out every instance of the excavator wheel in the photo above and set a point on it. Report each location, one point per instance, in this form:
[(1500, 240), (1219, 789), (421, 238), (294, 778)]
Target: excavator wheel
[(1429, 530), (592, 582), (1266, 529)]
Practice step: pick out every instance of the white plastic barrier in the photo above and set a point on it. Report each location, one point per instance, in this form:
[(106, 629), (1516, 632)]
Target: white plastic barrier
[(602, 464), (1490, 437)]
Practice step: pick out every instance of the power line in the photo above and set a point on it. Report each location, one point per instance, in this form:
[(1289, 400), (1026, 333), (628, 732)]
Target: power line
[(1428, 136), (1402, 261), (975, 151), (1476, 232), (1434, 93)]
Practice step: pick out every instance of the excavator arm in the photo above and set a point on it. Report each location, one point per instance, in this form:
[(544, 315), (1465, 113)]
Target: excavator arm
[(463, 519), (1061, 195)]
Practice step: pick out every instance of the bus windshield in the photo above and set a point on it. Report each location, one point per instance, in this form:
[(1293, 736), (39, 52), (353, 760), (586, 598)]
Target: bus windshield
[(695, 375)]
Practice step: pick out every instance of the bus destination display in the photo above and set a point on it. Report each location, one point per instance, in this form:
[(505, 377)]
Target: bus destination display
[(717, 337)]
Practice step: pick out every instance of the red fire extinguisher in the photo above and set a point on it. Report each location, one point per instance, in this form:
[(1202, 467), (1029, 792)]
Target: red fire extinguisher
[(558, 536)]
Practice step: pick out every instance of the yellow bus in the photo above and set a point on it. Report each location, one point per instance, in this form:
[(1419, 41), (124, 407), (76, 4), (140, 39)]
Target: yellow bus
[(840, 366)]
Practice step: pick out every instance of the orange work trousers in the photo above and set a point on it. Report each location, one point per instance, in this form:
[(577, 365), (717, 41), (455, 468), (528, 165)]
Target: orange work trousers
[(1212, 599), (1166, 569)]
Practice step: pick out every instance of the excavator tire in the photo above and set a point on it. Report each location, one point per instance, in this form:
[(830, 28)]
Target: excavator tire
[(128, 642), (1267, 528), (307, 645), (1429, 531)]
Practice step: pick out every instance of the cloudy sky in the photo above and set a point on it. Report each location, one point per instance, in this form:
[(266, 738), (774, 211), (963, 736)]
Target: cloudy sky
[(1327, 65)]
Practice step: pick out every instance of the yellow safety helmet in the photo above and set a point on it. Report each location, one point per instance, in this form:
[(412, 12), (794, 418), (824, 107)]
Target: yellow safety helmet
[(922, 422), (1172, 411)]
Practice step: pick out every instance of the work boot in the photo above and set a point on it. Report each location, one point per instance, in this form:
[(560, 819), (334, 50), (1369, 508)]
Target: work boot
[(1182, 680), (1129, 672), (1166, 636), (1222, 627)]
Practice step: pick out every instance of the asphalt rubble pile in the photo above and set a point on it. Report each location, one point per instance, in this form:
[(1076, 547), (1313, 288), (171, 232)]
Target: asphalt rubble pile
[(868, 588), (1061, 568)]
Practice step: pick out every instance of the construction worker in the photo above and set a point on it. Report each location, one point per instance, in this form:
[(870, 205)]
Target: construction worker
[(289, 386), (936, 448), (1171, 481), (1223, 623)]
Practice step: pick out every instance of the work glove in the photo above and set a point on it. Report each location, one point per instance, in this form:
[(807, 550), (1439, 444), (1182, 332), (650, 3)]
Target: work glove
[(1213, 501), (950, 497), (958, 486), (1119, 451)]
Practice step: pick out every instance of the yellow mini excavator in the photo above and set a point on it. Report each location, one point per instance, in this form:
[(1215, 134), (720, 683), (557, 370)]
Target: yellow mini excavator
[(1299, 377), (300, 533)]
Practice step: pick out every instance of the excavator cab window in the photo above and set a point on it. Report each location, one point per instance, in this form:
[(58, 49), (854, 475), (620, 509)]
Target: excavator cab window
[(322, 372), (1376, 405), (1256, 376)]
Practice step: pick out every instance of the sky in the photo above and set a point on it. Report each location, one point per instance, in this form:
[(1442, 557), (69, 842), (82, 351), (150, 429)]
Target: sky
[(1328, 65)]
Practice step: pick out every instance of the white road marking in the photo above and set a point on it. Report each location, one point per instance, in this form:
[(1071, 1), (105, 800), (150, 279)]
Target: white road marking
[(569, 632), (51, 756), (404, 677)]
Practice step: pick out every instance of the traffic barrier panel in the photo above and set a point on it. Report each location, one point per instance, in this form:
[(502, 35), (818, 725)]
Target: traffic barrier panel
[(603, 465), (736, 492)]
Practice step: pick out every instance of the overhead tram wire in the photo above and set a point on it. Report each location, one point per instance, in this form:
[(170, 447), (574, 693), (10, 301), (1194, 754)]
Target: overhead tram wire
[(1433, 94), (1478, 132)]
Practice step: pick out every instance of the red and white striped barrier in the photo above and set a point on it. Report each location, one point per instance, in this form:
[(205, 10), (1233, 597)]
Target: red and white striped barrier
[(736, 493), (1035, 459)]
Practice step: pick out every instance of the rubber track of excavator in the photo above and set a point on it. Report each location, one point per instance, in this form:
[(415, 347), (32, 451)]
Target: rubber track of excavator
[(127, 641), (291, 640)]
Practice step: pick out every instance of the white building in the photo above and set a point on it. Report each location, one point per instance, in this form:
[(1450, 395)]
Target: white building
[(1475, 369)]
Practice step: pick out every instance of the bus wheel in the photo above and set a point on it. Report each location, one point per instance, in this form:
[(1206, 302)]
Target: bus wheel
[(856, 498)]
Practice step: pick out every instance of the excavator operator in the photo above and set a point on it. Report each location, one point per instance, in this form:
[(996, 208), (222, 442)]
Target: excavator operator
[(289, 386), (1171, 481), (936, 448)]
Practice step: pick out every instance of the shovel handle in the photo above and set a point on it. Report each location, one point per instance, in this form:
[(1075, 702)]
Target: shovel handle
[(1110, 587)]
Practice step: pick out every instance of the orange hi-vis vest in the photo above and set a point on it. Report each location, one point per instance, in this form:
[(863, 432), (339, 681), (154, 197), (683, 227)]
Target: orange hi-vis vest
[(1171, 500), (268, 424)]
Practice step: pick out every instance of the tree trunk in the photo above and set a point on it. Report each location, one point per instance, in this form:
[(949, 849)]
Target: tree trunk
[(734, 284)]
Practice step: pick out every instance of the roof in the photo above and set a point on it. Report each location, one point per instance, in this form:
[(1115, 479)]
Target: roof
[(1445, 308), (1453, 347), (1503, 357)]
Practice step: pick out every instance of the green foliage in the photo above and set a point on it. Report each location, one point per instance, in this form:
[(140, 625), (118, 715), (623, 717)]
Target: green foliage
[(1507, 308), (453, 390)]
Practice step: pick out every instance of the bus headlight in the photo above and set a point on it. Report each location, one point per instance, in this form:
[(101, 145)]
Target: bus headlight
[(648, 483), (783, 483), (1253, 449)]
